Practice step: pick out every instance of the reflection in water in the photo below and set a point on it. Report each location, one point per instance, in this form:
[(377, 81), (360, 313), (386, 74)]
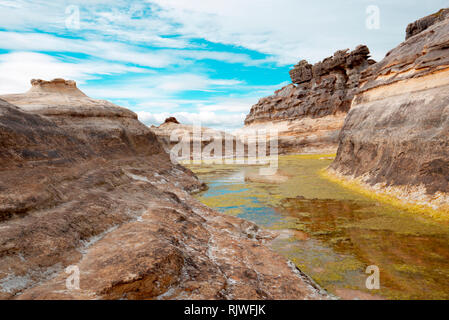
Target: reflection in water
[(332, 233)]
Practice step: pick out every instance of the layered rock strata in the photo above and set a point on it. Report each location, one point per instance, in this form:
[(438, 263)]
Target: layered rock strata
[(84, 184), (310, 112), (395, 139)]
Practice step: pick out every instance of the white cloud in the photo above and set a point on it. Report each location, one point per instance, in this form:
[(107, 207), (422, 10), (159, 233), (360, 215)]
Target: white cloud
[(18, 68), (106, 50), (190, 82), (289, 30), (225, 114), (206, 119), (11, 4), (115, 51), (159, 88), (229, 105), (228, 57), (282, 28)]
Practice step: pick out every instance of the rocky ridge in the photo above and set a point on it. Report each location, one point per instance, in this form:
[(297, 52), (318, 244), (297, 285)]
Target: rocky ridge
[(83, 183), (422, 24), (310, 112), (395, 139)]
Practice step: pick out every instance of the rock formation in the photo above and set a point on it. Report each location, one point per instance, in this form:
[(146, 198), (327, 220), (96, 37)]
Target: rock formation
[(197, 141), (310, 113), (83, 183), (171, 120), (422, 24), (396, 136)]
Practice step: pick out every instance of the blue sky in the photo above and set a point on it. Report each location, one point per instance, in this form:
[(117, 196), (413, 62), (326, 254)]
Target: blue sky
[(199, 60)]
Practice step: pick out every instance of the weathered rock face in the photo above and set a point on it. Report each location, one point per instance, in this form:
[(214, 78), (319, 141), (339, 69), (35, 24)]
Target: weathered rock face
[(396, 136), (83, 182), (324, 89), (310, 114), (422, 24)]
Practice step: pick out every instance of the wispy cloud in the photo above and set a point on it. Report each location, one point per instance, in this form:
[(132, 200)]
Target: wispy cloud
[(160, 86), (115, 51), (18, 68)]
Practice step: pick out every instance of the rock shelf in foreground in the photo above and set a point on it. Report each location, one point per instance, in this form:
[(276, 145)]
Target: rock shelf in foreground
[(84, 183)]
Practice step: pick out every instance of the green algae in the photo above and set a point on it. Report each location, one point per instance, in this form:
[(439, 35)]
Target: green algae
[(333, 233)]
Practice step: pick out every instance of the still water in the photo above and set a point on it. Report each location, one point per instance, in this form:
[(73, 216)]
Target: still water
[(333, 234)]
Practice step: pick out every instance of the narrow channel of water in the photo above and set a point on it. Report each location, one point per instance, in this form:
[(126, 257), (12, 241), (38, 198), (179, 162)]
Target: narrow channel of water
[(333, 234)]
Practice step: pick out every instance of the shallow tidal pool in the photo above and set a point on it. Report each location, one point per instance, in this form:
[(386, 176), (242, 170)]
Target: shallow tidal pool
[(332, 233)]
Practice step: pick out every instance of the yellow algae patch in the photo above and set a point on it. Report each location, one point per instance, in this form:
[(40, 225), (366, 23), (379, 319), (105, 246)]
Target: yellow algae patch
[(274, 178), (390, 197)]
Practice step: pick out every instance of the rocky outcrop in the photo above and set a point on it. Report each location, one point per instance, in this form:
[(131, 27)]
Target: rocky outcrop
[(310, 112), (422, 24), (83, 183), (396, 136), (171, 120), (194, 142)]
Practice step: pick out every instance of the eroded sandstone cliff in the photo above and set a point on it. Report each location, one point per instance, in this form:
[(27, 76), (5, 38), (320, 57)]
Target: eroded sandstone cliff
[(422, 24), (310, 113), (396, 136), (84, 183)]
